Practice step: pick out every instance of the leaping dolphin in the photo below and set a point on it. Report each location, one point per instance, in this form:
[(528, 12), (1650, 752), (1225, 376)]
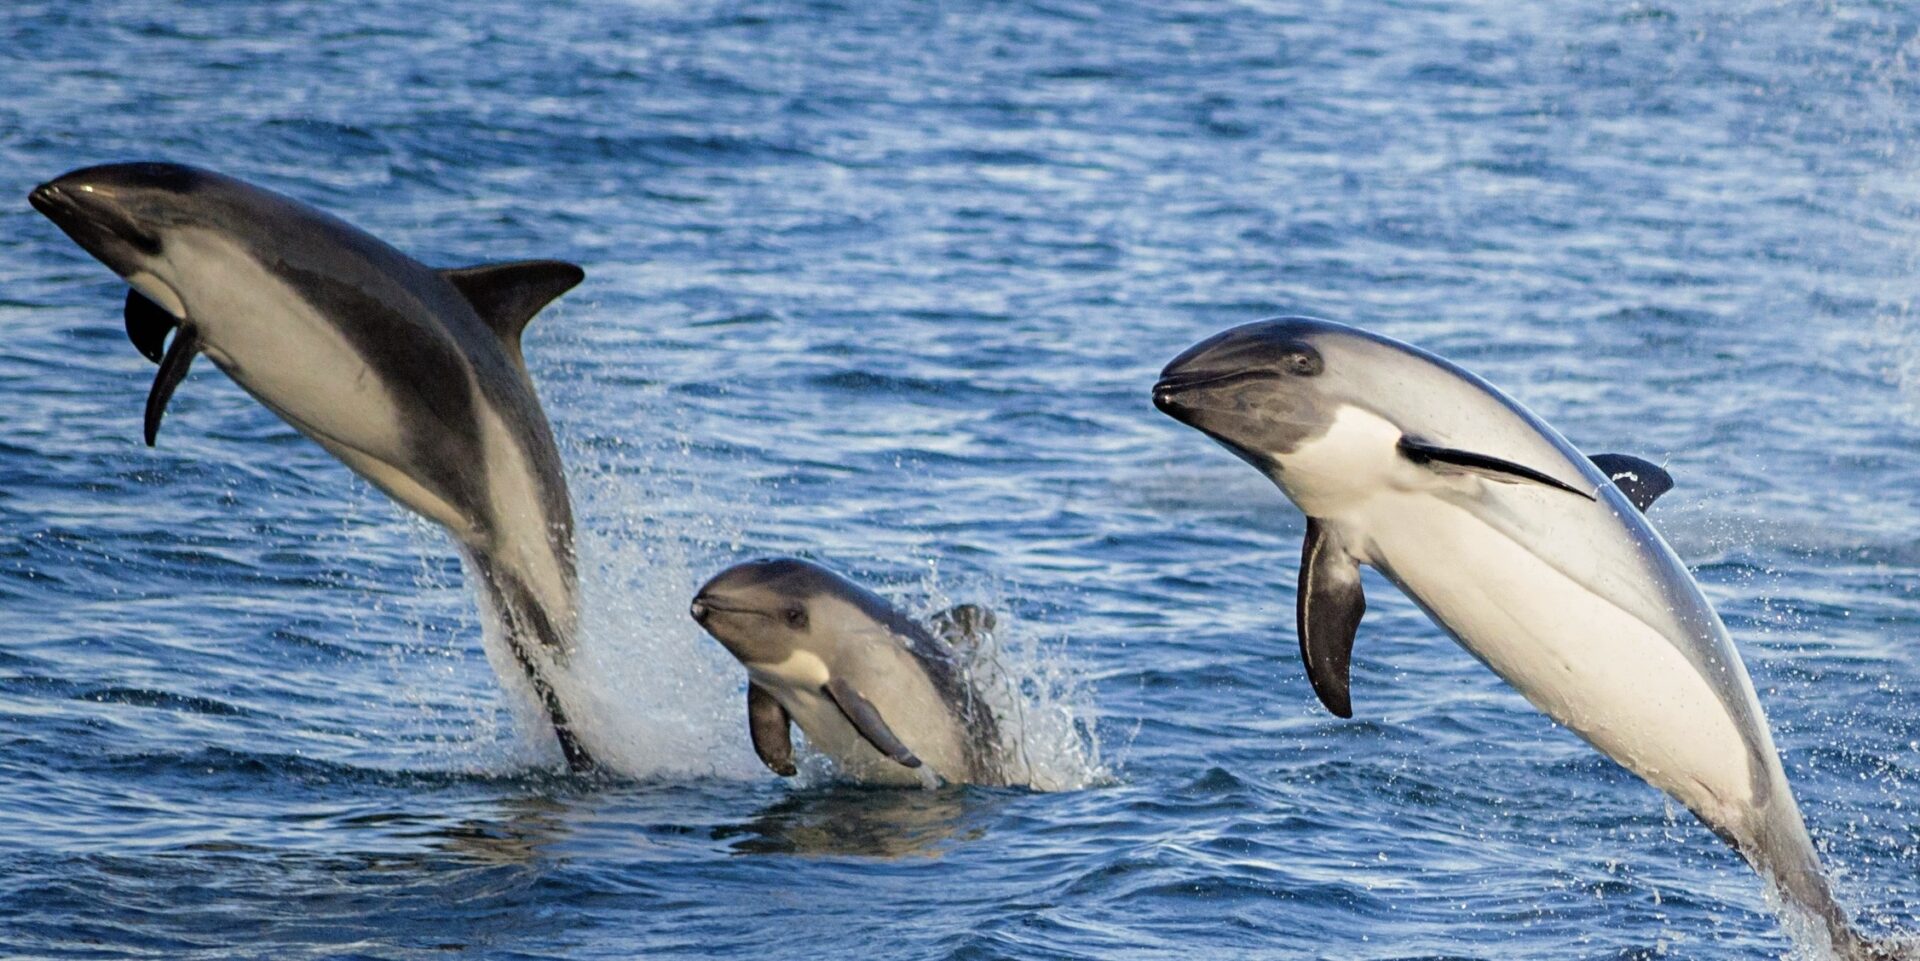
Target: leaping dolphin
[(411, 376), (1517, 545), (872, 689)]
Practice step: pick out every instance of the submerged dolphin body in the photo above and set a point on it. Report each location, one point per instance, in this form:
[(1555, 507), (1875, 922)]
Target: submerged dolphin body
[(1519, 547), (411, 376), (871, 688)]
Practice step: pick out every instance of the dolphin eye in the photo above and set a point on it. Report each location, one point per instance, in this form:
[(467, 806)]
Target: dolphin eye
[(1301, 360), (796, 617)]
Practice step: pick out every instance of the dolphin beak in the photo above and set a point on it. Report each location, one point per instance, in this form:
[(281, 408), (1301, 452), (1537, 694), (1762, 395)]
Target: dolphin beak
[(709, 606), (1175, 392), (97, 220), (49, 199), (1164, 399), (1172, 387)]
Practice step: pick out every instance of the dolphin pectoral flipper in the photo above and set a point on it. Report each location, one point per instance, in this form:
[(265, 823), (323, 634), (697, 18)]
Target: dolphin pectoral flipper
[(1328, 608), (1641, 480), (173, 370), (507, 295), (148, 324), (866, 719), (769, 725), (1493, 468)]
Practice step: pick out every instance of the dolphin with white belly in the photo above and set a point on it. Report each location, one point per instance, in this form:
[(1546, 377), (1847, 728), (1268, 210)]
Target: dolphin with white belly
[(1521, 548), (872, 689), (411, 376)]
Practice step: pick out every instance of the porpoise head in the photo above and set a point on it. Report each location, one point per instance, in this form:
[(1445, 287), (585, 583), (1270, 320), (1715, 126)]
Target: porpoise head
[(1318, 407), (765, 610), (1333, 414), (1265, 389), (123, 214)]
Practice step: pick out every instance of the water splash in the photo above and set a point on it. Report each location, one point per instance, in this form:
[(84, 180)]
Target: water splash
[(658, 698), (1049, 738)]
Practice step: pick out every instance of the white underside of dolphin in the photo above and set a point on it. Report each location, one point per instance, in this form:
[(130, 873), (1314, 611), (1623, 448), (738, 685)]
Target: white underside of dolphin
[(1512, 571), (333, 397), (1518, 546)]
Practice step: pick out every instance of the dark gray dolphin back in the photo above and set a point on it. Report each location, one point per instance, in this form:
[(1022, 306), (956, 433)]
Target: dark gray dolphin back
[(417, 329), (411, 323)]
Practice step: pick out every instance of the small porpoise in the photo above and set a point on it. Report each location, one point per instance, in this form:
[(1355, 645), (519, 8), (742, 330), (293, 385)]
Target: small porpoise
[(872, 689), (411, 376), (1528, 553)]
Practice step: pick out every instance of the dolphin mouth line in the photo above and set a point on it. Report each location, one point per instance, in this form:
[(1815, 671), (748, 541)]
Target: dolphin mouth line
[(88, 221), (1179, 383), (703, 607), (49, 199)]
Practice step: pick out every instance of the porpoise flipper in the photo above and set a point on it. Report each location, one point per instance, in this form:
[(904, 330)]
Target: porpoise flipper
[(1493, 468), (1327, 608), (173, 370), (769, 725), (866, 719), (1642, 481), (148, 325)]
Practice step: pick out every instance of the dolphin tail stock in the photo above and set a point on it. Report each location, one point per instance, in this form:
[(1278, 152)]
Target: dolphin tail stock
[(534, 640), (1807, 891), (1801, 884)]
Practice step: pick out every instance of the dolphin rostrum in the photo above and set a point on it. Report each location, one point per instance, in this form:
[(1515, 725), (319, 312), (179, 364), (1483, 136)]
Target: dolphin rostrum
[(871, 688), (1535, 558), (411, 376)]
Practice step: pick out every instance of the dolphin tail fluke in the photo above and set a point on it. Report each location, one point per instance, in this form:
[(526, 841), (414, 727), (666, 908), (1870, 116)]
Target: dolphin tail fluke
[(534, 640)]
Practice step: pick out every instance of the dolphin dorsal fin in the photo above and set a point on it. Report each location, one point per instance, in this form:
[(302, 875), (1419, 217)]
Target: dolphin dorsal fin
[(1642, 481), (507, 295)]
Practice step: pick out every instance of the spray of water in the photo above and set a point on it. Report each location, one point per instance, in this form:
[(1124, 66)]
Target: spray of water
[(659, 700), (1049, 740)]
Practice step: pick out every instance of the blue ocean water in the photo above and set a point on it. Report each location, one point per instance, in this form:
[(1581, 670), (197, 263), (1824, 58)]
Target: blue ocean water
[(887, 284)]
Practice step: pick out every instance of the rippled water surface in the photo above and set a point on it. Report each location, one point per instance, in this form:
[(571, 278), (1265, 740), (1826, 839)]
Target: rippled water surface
[(886, 284)]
